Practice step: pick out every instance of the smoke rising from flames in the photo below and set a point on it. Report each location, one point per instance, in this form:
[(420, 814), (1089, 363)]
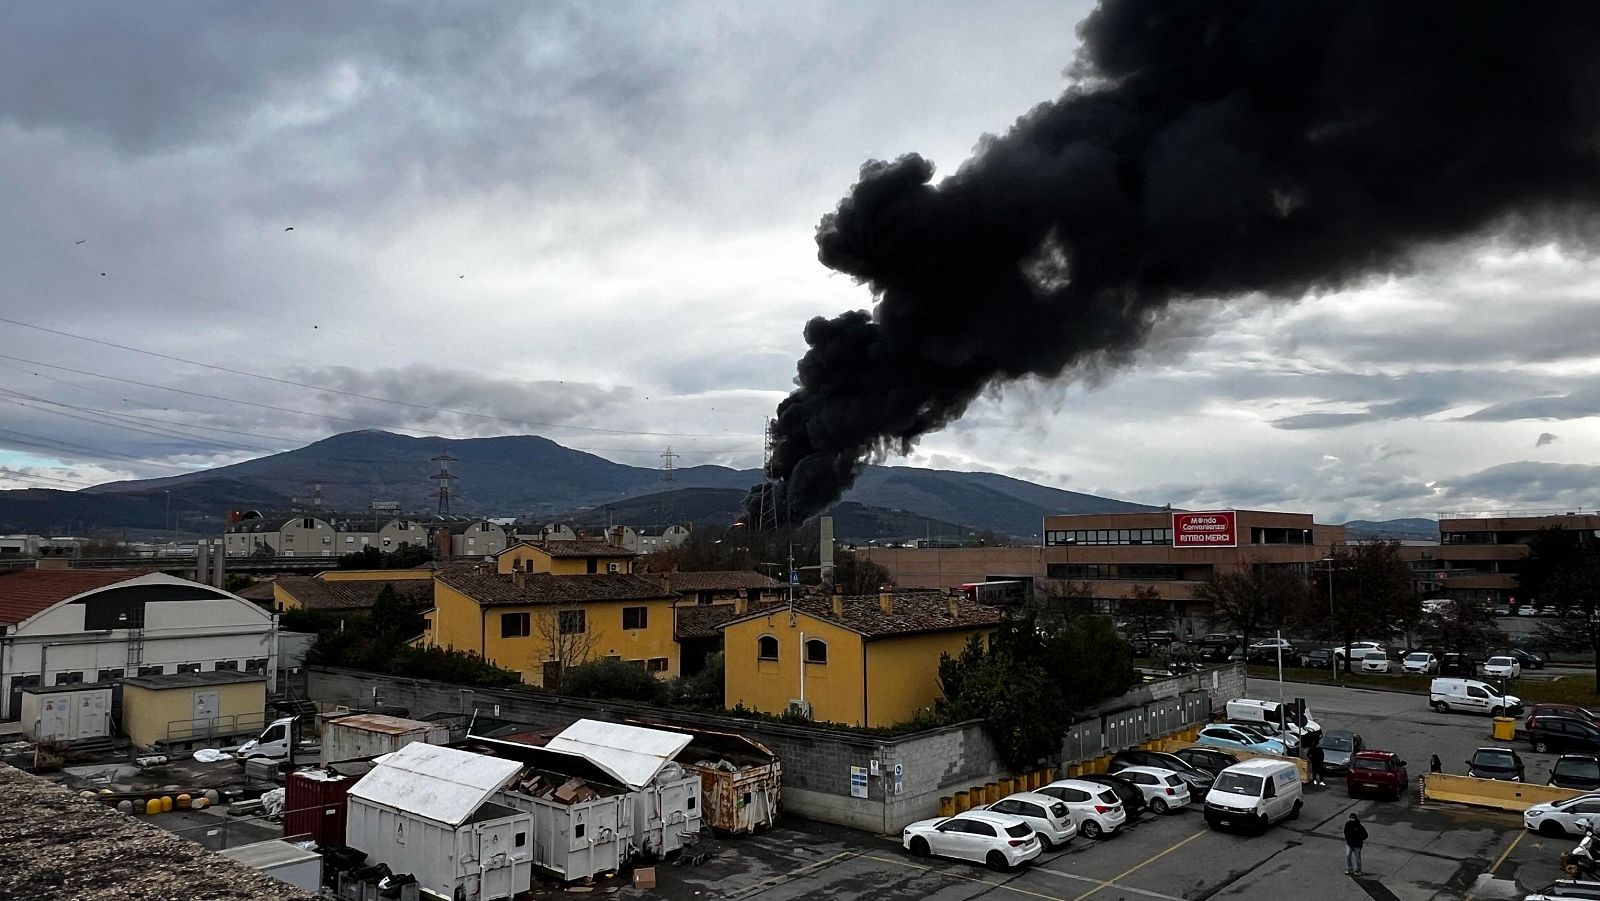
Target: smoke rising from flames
[(1208, 149)]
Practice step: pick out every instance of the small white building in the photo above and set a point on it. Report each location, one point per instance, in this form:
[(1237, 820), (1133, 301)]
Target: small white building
[(69, 627), (427, 810)]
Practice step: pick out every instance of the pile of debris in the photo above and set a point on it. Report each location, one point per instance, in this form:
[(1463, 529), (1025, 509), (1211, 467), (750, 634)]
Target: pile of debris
[(572, 791)]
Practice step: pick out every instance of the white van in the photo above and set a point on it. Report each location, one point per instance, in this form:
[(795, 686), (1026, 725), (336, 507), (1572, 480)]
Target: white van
[(1254, 794), (1268, 715), (1471, 696)]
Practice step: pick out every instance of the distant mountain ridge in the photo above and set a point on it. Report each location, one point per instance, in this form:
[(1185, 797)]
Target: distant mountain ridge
[(532, 477), (1408, 529)]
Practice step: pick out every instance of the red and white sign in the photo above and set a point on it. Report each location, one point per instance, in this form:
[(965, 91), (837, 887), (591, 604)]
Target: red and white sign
[(1211, 528)]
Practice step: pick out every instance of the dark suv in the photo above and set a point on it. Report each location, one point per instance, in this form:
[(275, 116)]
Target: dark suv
[(1526, 659), (1562, 733), (1318, 658)]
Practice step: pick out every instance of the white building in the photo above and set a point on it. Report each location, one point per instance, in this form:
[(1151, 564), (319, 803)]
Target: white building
[(67, 626)]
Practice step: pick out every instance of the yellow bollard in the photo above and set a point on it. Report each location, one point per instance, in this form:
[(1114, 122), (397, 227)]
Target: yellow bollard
[(960, 802), (1038, 779), (991, 792), (1008, 786), (182, 803), (1049, 775), (1074, 770), (947, 806), (152, 806), (166, 803)]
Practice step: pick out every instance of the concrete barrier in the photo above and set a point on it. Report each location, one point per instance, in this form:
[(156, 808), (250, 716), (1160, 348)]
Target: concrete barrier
[(1302, 766), (1492, 793)]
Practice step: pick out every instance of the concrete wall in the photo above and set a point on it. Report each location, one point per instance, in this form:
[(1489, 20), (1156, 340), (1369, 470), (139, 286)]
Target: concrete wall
[(816, 762)]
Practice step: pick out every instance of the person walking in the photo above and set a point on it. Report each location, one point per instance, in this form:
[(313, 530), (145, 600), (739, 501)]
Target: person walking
[(1433, 764), (1314, 755), (1355, 835)]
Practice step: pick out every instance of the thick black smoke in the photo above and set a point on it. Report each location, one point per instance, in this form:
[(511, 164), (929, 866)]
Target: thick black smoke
[(1210, 149)]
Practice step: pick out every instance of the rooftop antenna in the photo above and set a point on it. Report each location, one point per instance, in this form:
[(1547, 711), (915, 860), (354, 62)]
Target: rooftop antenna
[(444, 478), (668, 464)]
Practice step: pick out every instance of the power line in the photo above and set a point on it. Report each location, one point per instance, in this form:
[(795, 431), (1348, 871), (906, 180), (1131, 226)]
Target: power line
[(10, 397), (79, 449), (17, 474), (355, 394)]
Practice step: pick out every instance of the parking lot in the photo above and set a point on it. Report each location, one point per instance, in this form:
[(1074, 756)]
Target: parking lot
[(1414, 852)]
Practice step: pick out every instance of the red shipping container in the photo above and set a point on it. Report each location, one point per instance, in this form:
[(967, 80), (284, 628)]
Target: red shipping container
[(314, 803)]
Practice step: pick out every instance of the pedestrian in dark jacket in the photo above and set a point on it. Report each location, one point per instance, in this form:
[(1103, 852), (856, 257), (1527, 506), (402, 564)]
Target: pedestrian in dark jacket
[(1315, 756), (1355, 835), (1433, 764)]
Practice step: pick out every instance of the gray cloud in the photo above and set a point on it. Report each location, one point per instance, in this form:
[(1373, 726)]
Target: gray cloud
[(1409, 408), (1545, 438), (1578, 404)]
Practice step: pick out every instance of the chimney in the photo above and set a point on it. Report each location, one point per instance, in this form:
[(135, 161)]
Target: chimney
[(666, 581), (219, 565), (51, 563), (614, 537), (886, 601), (825, 549), (954, 605), (838, 604), (741, 605), (519, 578)]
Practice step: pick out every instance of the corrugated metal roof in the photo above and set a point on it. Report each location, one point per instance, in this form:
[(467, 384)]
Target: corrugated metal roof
[(435, 782), (632, 753)]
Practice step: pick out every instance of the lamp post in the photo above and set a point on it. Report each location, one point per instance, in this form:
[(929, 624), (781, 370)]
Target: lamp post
[(1334, 662)]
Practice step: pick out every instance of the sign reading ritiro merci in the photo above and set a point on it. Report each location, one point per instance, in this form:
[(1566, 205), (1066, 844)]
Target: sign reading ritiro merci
[(1210, 528)]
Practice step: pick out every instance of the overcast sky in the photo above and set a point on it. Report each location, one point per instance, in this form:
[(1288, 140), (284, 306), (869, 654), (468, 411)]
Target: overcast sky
[(595, 222)]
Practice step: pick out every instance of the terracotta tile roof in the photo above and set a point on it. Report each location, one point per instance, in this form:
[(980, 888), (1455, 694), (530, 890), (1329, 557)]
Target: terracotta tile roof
[(25, 592), (721, 580), (360, 594), (578, 547), (911, 613), (702, 621), (260, 591), (497, 589)]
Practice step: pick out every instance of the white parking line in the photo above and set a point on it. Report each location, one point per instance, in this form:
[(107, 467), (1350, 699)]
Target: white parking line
[(999, 885), (1101, 883)]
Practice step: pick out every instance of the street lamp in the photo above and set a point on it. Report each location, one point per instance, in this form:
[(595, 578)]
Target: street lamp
[(1333, 663)]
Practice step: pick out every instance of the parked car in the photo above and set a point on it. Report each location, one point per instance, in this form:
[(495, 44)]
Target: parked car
[(1572, 710), (1565, 889), (995, 839), (1048, 816), (1557, 818), (1148, 643), (1549, 610), (1501, 610), (1527, 659), (1260, 732), (1497, 763), (1207, 760), (1472, 696), (1548, 732), (1096, 810), (1273, 644), (1256, 793), (1527, 610), (1337, 746), (1215, 645), (1502, 668), (1198, 780), (1375, 661), (1382, 772), (1129, 794), (1163, 790), (1318, 658), (1456, 665), (1224, 735), (1357, 648), (1579, 771), (1420, 662)]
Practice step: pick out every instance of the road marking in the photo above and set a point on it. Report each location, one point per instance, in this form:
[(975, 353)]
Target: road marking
[(1111, 883), (1100, 885), (999, 885), (1501, 859)]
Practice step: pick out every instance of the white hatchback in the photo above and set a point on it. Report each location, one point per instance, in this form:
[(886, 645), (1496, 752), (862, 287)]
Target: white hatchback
[(1420, 662), (1049, 817), (994, 839), (1558, 818), (1502, 667), (1163, 789), (1375, 661), (1096, 810)]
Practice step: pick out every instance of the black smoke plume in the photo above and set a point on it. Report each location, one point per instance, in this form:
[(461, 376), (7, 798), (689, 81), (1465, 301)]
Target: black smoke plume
[(1208, 149)]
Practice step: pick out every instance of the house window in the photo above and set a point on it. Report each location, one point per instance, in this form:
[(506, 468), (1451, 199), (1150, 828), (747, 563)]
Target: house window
[(231, 666), (515, 625), (106, 675), (152, 670), (351, 539), (73, 678), (635, 617), (188, 667), (816, 650), (256, 665), (656, 665), (327, 539), (471, 541), (767, 648), (573, 622)]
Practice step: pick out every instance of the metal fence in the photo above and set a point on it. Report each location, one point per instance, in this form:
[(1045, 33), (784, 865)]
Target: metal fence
[(215, 727)]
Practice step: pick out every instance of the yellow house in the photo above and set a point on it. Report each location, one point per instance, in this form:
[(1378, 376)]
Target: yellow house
[(538, 623), (861, 660), (566, 557)]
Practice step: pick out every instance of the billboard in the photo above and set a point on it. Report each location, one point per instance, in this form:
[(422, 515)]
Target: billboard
[(1210, 528)]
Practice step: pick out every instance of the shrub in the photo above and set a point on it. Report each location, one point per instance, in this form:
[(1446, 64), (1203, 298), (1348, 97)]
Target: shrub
[(611, 679)]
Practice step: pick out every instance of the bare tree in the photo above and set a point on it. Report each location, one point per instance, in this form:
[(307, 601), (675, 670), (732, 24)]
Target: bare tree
[(564, 638)]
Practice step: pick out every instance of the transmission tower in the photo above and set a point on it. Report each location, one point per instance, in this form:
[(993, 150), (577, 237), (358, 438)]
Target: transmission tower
[(767, 510), (444, 492), (668, 464)]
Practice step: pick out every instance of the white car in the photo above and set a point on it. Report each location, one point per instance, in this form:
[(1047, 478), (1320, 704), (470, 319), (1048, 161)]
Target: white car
[(1358, 648), (1272, 644), (1527, 610), (1502, 667), (1049, 817), (1557, 818), (1375, 661), (982, 836), (1096, 810), (1420, 662), (1163, 790)]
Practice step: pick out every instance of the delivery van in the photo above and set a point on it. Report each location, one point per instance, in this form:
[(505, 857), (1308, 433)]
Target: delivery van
[(1254, 795), (1269, 716), (1471, 696)]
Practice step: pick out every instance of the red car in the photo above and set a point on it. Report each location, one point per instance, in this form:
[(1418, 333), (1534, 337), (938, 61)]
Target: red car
[(1379, 772)]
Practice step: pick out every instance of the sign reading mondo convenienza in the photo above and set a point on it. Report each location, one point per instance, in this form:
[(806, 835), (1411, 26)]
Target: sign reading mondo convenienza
[(1211, 528)]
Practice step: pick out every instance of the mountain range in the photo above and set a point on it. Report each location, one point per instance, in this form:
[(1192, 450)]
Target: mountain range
[(536, 479)]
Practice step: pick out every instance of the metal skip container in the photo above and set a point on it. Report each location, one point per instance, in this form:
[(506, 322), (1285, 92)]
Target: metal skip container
[(741, 780), (666, 797)]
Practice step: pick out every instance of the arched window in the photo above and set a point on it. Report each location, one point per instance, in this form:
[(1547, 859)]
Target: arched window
[(767, 648), (816, 650)]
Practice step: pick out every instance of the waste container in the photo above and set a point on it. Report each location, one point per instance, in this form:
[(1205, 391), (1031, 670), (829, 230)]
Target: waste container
[(1505, 728)]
